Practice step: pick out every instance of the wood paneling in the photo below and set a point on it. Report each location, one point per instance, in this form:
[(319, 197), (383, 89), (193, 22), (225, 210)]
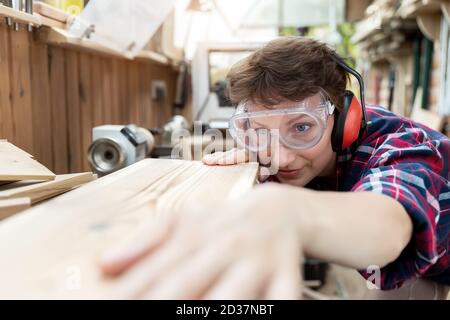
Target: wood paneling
[(51, 97), (97, 93), (6, 118), (86, 105), (73, 111), (41, 105), (60, 131), (20, 80)]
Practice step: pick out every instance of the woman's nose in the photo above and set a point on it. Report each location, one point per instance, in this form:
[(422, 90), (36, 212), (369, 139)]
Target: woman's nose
[(278, 155), (286, 156)]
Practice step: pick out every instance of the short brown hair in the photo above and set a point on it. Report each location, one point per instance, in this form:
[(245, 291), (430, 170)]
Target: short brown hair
[(288, 68)]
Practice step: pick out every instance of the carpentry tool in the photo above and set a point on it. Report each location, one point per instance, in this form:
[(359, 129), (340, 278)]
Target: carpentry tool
[(117, 146)]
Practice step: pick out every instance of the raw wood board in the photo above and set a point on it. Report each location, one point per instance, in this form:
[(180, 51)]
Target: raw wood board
[(40, 190), (16, 164), (11, 206), (51, 12), (50, 251)]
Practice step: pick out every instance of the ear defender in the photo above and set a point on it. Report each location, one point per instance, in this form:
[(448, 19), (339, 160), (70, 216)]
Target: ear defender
[(347, 123), (352, 120)]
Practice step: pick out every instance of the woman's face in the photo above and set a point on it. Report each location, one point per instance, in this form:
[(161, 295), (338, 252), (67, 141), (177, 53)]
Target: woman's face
[(299, 166)]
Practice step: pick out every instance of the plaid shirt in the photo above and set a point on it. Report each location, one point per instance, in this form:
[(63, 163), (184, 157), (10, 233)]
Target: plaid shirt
[(409, 162)]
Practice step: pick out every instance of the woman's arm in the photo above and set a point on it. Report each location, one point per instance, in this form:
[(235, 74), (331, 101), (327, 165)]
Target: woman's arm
[(259, 241), (356, 229)]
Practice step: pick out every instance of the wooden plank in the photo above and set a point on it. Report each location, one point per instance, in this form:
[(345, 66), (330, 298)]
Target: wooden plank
[(72, 230), (38, 190), (155, 57), (50, 12), (60, 37), (6, 117), (59, 112), (85, 92), (73, 111), (21, 89), (9, 147), (40, 91), (13, 206), (45, 21), (15, 164)]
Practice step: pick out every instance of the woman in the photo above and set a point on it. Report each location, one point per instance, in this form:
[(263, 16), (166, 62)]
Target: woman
[(357, 186)]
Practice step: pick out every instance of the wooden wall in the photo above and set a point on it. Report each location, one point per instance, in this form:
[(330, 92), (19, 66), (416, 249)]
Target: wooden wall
[(51, 97)]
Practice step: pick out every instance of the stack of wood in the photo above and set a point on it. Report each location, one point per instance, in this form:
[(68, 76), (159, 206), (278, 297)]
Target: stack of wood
[(24, 181)]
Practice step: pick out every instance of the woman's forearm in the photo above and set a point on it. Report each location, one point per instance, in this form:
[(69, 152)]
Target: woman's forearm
[(356, 229)]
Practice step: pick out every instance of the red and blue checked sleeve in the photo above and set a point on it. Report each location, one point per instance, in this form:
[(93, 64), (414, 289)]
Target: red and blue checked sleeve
[(411, 173)]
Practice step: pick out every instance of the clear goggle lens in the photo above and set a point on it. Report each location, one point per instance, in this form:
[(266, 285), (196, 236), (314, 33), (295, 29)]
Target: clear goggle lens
[(296, 128)]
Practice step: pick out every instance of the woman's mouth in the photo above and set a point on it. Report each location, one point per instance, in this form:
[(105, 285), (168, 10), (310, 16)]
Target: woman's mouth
[(288, 174)]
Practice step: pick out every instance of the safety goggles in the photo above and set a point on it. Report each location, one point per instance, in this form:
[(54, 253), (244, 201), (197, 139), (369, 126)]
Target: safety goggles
[(298, 126)]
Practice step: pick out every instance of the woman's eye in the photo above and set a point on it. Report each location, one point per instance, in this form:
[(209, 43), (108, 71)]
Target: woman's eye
[(302, 127)]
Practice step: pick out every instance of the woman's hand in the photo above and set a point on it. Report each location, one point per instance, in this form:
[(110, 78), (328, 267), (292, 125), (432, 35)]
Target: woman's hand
[(249, 250), (234, 156)]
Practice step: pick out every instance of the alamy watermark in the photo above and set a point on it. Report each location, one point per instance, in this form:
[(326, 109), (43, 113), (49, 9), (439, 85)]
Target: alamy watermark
[(193, 146), (373, 281)]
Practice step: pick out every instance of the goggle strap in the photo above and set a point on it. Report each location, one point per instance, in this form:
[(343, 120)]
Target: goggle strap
[(330, 108)]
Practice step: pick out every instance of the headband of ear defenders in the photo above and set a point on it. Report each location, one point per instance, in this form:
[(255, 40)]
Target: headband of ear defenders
[(360, 80)]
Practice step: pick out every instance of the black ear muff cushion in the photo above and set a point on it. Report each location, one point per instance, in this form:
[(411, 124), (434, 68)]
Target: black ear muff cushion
[(338, 130), (352, 124)]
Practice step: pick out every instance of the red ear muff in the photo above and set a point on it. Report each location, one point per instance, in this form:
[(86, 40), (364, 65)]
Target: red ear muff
[(347, 124), (352, 124)]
